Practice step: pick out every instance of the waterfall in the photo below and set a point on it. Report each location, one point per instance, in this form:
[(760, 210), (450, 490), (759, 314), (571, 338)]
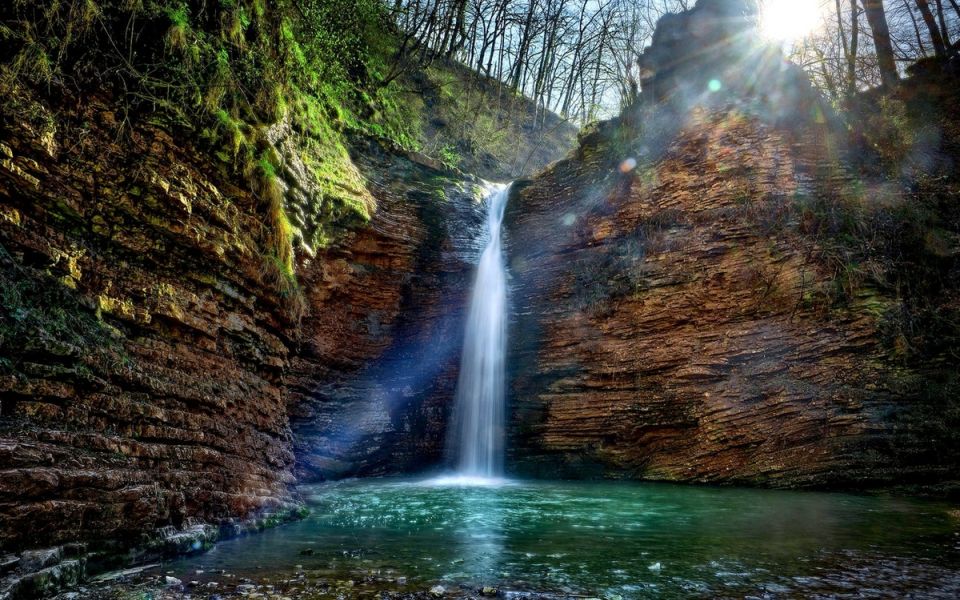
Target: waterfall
[(477, 436)]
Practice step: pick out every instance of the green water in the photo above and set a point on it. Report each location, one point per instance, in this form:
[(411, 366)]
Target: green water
[(611, 540)]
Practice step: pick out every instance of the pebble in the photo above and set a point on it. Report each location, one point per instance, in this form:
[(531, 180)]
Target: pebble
[(172, 581), (437, 591)]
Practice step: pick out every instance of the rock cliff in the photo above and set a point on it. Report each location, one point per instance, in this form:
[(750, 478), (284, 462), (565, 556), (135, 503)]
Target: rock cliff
[(153, 376), (677, 310)]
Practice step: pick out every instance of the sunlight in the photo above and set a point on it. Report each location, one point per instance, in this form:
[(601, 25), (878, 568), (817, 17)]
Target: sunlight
[(789, 20)]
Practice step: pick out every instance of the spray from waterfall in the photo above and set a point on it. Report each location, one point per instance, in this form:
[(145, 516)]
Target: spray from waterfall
[(477, 435)]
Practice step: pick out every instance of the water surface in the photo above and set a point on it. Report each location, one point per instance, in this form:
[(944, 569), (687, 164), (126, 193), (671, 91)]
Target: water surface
[(626, 540)]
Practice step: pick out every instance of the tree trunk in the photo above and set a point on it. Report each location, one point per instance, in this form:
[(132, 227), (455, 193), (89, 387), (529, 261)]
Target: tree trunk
[(525, 35), (916, 28), (881, 40), (849, 49), (938, 48), (854, 47), (943, 25)]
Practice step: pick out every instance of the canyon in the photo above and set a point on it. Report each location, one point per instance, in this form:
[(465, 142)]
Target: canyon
[(676, 314)]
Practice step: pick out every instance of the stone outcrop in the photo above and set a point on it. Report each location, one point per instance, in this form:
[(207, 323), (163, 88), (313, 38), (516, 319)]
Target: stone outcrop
[(712, 53), (674, 316), (151, 369), (169, 408), (693, 47)]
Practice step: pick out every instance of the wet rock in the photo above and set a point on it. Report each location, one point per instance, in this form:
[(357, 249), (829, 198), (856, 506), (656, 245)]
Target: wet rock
[(8, 563), (437, 591), (49, 580), (34, 560)]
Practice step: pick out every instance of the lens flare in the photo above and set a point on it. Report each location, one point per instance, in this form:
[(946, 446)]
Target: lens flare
[(789, 20)]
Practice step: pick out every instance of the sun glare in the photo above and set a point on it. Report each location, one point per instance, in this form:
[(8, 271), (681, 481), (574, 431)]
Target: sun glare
[(789, 20)]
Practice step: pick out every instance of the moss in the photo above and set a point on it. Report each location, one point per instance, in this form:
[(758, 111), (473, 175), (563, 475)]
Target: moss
[(178, 35), (228, 70), (279, 267), (40, 315)]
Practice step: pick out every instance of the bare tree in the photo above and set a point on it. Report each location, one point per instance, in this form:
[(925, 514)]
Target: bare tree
[(579, 57), (877, 18), (938, 47), (942, 20)]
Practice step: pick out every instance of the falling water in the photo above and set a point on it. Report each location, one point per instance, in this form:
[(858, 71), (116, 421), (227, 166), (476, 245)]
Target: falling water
[(477, 438)]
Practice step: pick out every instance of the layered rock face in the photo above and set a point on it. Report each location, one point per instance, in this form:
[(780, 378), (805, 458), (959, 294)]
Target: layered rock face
[(150, 369), (398, 294), (170, 408), (673, 317)]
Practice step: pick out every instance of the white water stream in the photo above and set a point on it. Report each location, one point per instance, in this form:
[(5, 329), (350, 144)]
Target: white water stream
[(477, 434)]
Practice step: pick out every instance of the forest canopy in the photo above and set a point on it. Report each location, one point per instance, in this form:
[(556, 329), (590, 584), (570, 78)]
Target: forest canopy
[(251, 60), (579, 57)]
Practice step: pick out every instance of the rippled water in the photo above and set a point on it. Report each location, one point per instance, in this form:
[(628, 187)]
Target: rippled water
[(612, 540)]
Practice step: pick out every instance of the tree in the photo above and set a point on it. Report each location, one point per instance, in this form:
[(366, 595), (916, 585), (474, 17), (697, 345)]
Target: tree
[(941, 18), (938, 47), (877, 18), (849, 49)]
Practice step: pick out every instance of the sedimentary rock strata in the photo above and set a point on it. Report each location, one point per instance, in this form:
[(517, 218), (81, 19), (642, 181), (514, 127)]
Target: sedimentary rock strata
[(153, 369), (674, 322)]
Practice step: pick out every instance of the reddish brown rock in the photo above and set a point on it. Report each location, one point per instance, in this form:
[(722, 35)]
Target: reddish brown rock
[(397, 293), (673, 322), (694, 293), (151, 370)]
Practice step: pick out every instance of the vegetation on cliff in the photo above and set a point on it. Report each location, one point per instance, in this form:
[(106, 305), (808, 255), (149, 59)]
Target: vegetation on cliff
[(274, 91), (234, 250), (240, 77)]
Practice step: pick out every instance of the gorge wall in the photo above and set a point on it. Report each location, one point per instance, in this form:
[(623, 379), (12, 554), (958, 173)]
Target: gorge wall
[(694, 299), (677, 311), (152, 374)]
